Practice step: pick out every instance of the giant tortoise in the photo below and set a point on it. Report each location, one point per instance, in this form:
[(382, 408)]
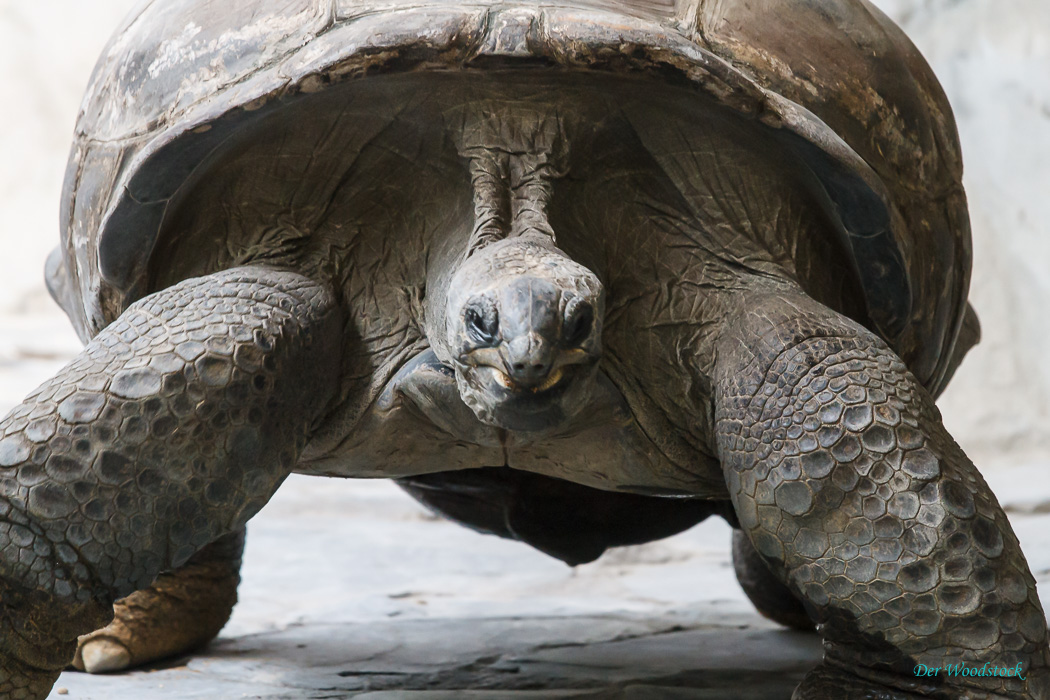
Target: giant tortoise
[(580, 273)]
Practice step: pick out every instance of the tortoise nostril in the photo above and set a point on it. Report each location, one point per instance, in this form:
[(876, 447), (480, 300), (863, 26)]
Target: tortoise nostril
[(529, 373), (527, 358)]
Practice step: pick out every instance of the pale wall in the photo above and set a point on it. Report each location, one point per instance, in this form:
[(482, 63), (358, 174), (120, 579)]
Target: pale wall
[(993, 58), (992, 55)]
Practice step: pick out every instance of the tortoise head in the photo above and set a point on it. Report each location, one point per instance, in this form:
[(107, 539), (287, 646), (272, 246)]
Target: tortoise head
[(523, 324)]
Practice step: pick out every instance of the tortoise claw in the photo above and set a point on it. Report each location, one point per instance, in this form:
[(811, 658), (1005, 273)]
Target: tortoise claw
[(102, 655), (182, 611)]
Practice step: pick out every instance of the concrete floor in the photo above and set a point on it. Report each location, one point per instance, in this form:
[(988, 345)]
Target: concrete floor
[(351, 590)]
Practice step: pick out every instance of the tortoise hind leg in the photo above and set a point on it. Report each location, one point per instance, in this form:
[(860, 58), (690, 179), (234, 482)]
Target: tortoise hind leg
[(181, 611), (770, 597)]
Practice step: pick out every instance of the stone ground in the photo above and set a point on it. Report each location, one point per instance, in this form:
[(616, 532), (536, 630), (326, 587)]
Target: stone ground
[(352, 590)]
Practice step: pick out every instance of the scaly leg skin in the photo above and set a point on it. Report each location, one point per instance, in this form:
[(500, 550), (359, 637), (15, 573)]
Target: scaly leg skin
[(766, 592), (173, 427), (181, 611), (857, 498)]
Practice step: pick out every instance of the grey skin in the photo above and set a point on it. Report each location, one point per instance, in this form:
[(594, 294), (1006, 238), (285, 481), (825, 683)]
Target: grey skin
[(543, 300), (524, 334)]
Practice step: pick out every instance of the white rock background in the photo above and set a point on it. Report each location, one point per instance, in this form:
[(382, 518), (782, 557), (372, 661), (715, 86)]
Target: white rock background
[(993, 57)]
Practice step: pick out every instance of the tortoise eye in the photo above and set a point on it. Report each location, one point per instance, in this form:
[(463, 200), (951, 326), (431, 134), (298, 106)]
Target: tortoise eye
[(578, 325), (481, 326)]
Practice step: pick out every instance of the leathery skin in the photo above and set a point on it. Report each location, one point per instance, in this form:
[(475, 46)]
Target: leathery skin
[(849, 487), (173, 427)]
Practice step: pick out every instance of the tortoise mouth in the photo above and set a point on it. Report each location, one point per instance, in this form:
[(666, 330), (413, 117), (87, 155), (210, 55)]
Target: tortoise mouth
[(498, 400), (512, 388)]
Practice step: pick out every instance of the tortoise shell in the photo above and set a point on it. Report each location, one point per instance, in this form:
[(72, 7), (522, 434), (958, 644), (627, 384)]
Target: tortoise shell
[(835, 81)]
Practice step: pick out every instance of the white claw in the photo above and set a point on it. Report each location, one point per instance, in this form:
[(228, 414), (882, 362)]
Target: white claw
[(103, 655)]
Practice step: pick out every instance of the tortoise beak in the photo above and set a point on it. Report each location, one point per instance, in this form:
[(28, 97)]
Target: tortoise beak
[(528, 360)]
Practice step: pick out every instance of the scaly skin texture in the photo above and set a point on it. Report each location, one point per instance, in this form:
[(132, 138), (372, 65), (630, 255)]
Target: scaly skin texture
[(857, 498), (172, 428), (179, 612)]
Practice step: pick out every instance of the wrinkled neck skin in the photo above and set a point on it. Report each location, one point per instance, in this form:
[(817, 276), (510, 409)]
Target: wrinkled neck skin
[(515, 150), (517, 319)]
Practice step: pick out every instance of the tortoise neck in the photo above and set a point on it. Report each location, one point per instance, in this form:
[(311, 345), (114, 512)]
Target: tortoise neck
[(512, 195), (515, 152)]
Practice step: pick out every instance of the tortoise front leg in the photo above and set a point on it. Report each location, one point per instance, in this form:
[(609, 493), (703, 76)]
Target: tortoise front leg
[(850, 488), (172, 428)]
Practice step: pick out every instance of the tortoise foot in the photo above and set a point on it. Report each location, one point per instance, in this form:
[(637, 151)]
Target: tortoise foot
[(182, 611), (867, 510), (177, 614), (823, 683), (101, 654), (35, 638)]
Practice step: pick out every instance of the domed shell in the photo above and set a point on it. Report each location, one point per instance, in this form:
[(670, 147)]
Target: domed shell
[(837, 81)]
